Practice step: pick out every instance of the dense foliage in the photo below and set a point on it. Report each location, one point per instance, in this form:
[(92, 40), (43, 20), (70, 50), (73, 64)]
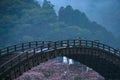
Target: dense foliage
[(26, 20), (56, 70)]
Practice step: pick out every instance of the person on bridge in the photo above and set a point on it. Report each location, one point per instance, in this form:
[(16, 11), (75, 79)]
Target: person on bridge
[(79, 40)]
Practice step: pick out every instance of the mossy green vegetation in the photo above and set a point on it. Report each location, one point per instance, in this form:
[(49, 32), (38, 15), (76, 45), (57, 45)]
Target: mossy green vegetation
[(26, 20)]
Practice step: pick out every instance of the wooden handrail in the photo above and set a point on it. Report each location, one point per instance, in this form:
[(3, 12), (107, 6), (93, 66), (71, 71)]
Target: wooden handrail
[(20, 45), (56, 45)]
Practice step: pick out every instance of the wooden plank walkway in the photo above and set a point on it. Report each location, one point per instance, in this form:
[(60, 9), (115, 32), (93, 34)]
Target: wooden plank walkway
[(36, 52)]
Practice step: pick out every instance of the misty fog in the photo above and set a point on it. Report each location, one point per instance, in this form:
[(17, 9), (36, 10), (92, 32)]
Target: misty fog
[(104, 12)]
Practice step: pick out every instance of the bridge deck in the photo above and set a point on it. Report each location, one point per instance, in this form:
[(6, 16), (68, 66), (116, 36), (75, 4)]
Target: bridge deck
[(32, 53)]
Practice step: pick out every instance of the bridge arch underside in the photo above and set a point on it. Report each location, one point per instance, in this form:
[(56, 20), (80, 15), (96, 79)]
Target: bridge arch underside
[(106, 64)]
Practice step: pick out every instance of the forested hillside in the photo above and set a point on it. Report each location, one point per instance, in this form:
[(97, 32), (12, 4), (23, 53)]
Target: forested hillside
[(26, 20)]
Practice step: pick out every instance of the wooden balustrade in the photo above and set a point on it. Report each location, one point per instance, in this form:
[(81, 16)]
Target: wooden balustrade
[(26, 57)]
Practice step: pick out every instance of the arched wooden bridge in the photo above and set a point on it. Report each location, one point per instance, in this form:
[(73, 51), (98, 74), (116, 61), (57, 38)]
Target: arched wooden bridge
[(17, 59)]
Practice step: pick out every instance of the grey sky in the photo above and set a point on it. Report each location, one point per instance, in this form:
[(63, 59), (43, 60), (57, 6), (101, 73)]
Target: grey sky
[(104, 12)]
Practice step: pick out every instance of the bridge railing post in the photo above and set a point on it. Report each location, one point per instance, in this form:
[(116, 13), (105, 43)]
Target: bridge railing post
[(34, 50), (80, 42), (97, 44), (22, 46), (103, 47), (54, 45), (43, 43), (86, 43), (0, 52), (115, 51), (68, 43), (19, 62), (8, 50), (109, 49), (61, 43), (41, 47), (92, 44), (73, 43), (36, 43), (15, 48), (29, 44), (48, 46), (27, 60)]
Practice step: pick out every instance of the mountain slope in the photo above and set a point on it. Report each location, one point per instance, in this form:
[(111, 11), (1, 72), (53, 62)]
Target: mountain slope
[(26, 20)]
